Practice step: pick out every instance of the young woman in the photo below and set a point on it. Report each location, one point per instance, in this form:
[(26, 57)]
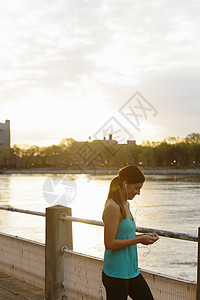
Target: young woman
[(121, 276)]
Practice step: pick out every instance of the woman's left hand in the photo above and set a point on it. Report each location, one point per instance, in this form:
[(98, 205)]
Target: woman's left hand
[(154, 235)]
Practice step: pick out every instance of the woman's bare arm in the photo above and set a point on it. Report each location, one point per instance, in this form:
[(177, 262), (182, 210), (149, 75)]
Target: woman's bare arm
[(111, 222)]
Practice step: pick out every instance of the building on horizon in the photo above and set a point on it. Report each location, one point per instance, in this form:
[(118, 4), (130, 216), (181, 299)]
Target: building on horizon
[(131, 142), (5, 134), (111, 141)]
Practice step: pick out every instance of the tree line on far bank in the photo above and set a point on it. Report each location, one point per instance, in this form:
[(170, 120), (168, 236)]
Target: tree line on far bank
[(70, 154)]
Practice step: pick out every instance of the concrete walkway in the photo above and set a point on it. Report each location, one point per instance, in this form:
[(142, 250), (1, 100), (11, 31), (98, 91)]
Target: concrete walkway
[(12, 288)]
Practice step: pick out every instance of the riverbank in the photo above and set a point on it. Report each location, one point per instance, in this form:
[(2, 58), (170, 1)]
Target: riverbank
[(102, 172)]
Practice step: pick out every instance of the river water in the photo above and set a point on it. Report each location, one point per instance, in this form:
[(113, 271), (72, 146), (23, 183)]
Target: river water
[(168, 202)]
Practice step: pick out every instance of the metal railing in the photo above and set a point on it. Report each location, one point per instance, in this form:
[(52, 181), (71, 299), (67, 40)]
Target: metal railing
[(24, 211), (63, 216), (163, 233)]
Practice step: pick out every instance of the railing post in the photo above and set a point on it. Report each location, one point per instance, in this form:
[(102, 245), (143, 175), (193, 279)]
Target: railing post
[(58, 234), (198, 267)]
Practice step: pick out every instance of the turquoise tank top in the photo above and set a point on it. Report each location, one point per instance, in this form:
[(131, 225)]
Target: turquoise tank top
[(122, 263)]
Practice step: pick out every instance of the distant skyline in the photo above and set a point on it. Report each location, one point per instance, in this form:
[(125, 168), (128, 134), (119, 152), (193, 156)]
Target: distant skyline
[(68, 69)]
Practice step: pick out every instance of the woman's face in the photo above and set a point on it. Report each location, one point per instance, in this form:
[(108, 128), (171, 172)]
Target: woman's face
[(133, 189)]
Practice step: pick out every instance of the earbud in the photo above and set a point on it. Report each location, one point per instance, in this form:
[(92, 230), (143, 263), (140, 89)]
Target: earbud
[(125, 186)]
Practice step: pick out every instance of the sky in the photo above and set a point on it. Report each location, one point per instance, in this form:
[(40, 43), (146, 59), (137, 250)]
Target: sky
[(80, 69)]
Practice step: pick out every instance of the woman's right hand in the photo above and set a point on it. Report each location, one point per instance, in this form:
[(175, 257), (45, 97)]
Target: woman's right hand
[(149, 238)]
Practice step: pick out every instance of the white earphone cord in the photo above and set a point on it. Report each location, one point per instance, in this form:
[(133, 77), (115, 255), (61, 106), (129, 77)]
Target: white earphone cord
[(145, 246)]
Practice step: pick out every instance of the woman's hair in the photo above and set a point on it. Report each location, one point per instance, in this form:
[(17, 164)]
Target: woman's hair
[(131, 174)]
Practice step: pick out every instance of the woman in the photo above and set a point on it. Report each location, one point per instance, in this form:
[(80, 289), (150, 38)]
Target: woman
[(121, 276)]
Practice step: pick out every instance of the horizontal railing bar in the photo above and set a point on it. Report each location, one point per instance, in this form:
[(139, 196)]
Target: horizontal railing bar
[(24, 211), (86, 221), (164, 233), (169, 234)]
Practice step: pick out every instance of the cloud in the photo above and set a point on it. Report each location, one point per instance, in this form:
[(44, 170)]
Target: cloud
[(79, 50)]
